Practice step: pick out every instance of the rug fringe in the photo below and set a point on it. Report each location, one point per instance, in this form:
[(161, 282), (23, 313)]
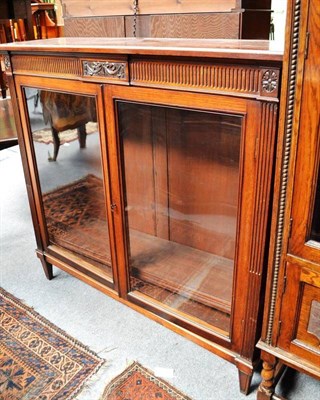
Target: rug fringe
[(72, 342), (44, 321), (90, 389)]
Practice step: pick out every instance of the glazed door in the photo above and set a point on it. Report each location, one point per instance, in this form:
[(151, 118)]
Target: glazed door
[(185, 162), (305, 237), (64, 135), (300, 314)]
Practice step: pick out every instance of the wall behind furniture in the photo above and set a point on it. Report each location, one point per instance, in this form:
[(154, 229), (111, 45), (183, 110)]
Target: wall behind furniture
[(279, 8), (228, 19)]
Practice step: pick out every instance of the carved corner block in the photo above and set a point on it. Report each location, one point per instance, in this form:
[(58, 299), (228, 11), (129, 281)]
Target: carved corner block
[(269, 82), (7, 63)]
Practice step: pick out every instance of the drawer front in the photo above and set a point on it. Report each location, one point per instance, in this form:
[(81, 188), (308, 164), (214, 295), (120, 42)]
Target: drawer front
[(105, 69)]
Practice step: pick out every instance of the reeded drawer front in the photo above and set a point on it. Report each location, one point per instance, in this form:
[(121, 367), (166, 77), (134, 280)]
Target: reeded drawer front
[(98, 70), (240, 80)]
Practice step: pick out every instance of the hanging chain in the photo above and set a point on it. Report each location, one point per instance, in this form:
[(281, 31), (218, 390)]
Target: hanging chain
[(135, 13)]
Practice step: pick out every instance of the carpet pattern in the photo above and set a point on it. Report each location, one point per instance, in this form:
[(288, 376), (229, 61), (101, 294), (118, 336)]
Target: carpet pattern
[(77, 218), (67, 136), (138, 383), (37, 359)]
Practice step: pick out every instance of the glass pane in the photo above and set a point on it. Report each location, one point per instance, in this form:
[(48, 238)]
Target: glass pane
[(67, 147), (315, 228), (181, 172), (314, 325)]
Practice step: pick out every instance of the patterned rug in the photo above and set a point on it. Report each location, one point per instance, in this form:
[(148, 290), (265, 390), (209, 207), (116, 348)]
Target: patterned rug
[(37, 359), (45, 135), (137, 383)]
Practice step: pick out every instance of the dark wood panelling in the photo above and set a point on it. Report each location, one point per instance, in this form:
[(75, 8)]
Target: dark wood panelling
[(13, 9), (253, 30), (94, 27), (216, 26), (256, 5)]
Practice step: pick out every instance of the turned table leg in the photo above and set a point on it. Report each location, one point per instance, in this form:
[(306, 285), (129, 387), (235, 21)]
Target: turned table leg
[(56, 144), (266, 387)]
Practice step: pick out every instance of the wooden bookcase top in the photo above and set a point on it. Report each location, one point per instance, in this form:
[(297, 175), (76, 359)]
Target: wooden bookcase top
[(211, 48)]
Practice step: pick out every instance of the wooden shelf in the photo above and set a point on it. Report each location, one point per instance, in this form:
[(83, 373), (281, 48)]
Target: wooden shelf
[(192, 273)]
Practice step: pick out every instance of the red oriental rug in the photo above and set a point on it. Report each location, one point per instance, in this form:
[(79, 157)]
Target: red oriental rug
[(37, 359), (137, 383)]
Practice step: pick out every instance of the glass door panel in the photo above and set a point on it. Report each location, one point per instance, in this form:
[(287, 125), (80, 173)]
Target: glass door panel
[(300, 313), (315, 227), (181, 172), (66, 142)]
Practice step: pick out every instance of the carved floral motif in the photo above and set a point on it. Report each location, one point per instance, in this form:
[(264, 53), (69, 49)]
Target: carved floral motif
[(107, 69), (269, 81), (6, 61)]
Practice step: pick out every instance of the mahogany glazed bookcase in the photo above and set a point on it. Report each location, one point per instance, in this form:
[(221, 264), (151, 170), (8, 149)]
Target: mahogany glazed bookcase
[(164, 203)]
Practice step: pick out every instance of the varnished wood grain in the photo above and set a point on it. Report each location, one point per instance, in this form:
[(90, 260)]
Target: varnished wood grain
[(46, 65), (308, 326), (217, 48), (308, 147), (207, 26), (170, 18), (264, 155), (294, 337), (94, 27), (84, 8)]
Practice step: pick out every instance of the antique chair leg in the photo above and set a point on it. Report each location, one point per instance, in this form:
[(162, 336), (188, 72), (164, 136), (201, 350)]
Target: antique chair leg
[(56, 144), (82, 136), (3, 85)]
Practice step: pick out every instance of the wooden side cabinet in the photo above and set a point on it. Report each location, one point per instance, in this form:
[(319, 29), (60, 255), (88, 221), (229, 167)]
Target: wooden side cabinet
[(157, 186), (291, 334)]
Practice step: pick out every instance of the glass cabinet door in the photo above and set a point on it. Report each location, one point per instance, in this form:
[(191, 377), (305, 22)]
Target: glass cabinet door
[(315, 226), (300, 313), (66, 144), (181, 179)]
